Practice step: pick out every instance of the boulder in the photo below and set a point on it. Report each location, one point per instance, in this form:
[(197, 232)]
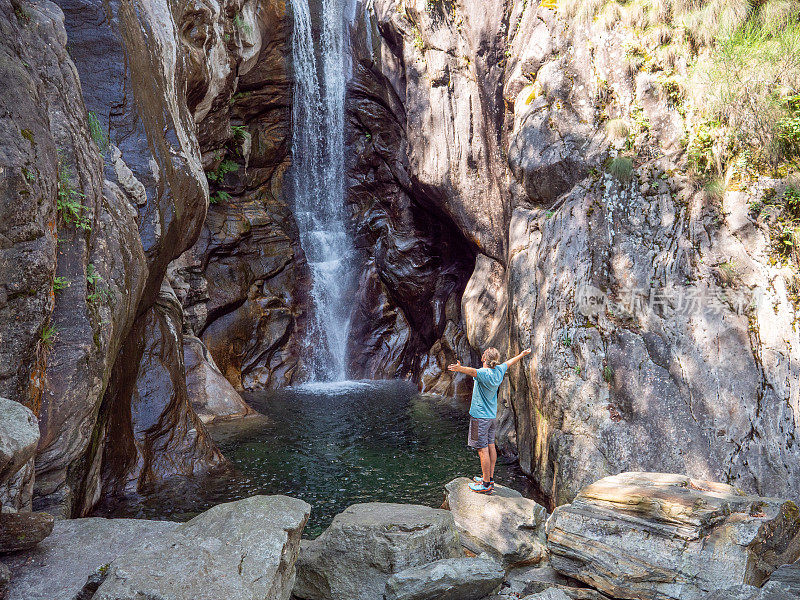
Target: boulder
[(19, 434), (23, 530), (661, 536), (368, 543), (58, 568), (507, 526), (446, 579), (235, 551), (212, 396)]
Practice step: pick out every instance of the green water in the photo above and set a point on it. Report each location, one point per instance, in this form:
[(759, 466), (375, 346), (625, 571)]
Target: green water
[(332, 445)]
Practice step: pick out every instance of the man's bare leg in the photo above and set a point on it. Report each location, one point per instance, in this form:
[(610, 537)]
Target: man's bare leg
[(492, 462), (483, 454)]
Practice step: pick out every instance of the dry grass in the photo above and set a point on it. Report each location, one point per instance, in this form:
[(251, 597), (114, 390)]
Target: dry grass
[(617, 129)]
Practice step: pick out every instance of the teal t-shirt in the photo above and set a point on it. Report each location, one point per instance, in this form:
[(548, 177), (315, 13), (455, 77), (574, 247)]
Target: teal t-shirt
[(484, 392)]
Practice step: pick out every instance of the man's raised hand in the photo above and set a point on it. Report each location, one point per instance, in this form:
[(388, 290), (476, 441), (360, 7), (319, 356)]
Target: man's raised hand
[(526, 352), (455, 366)]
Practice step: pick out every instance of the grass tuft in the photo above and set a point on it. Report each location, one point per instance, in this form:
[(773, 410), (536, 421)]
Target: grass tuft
[(621, 168)]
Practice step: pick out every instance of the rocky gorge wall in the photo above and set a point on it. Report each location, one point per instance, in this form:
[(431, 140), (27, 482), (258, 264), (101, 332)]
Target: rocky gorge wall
[(118, 116), (151, 265), (636, 292)]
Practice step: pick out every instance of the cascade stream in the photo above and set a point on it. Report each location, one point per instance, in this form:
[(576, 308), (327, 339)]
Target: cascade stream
[(321, 69)]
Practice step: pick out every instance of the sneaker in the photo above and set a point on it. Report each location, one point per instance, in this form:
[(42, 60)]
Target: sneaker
[(480, 488), (479, 479)]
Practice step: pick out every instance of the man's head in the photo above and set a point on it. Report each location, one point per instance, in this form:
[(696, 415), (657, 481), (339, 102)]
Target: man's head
[(491, 357)]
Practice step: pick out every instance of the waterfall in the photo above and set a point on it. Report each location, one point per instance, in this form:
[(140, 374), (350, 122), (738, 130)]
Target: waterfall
[(321, 70)]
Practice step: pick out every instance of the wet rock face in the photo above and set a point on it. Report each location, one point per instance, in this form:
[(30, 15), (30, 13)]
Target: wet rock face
[(244, 284), (419, 221), (151, 431)]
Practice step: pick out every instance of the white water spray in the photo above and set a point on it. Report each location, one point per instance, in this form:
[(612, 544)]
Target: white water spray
[(317, 179)]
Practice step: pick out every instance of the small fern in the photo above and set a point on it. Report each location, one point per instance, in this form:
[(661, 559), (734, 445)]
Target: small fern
[(70, 201), (219, 196)]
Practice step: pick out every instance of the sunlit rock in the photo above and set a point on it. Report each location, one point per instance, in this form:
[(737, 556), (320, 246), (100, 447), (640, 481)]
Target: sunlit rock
[(657, 536), (505, 525)]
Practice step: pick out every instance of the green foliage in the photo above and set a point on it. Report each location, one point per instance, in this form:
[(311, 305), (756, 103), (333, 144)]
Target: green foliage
[(785, 240), (242, 25), (788, 128), (225, 167), (22, 15), (49, 334), (70, 201), (700, 151), (418, 42), (28, 175), (608, 374), (96, 131), (239, 96), (791, 202), (621, 168), (239, 132), (60, 283), (94, 282), (219, 196), (727, 273)]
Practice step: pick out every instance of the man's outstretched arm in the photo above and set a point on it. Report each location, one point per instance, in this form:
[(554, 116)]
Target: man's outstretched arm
[(512, 361), (465, 370)]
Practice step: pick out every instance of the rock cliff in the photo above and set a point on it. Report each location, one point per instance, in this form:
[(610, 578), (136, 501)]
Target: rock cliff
[(517, 175)]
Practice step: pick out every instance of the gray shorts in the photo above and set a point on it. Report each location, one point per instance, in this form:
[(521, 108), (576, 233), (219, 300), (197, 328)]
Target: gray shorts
[(481, 432)]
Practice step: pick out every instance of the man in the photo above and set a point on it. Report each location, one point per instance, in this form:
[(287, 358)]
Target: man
[(483, 412)]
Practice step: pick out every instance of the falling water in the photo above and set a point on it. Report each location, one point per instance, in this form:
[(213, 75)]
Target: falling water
[(317, 178)]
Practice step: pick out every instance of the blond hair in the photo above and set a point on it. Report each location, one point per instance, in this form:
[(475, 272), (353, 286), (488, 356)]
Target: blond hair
[(492, 356)]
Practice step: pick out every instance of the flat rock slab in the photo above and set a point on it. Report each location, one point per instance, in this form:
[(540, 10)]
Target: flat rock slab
[(446, 579), (659, 536), (23, 530), (550, 594), (368, 543), (58, 568), (505, 525), (235, 551)]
